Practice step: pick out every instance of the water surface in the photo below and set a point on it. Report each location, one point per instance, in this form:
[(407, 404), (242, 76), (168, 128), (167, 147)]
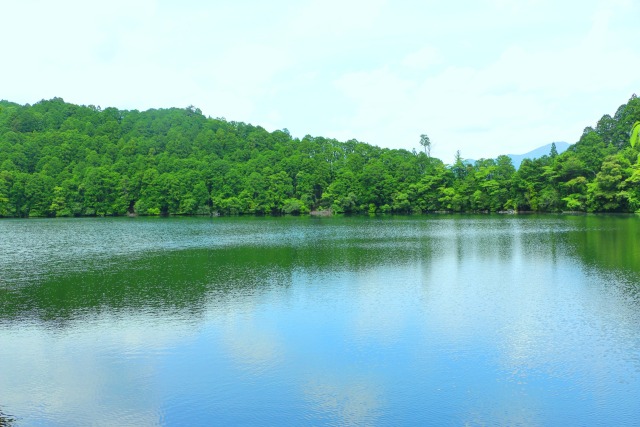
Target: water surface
[(432, 320)]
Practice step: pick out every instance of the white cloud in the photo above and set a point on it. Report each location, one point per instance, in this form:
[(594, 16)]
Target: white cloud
[(528, 96), (423, 59)]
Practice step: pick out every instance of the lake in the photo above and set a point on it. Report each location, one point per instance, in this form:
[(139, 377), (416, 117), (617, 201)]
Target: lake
[(424, 320)]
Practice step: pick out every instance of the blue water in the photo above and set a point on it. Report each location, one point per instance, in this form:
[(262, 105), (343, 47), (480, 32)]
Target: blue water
[(441, 320)]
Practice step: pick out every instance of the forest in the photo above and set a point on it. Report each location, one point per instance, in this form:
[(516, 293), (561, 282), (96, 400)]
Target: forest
[(63, 160)]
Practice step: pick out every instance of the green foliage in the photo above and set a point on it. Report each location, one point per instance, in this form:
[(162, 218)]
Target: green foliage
[(59, 159), (294, 207), (635, 134)]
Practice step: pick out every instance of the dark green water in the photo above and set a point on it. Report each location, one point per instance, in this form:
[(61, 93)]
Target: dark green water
[(441, 320)]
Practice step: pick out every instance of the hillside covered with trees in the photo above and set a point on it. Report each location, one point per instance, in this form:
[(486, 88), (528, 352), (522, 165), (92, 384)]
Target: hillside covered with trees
[(60, 159)]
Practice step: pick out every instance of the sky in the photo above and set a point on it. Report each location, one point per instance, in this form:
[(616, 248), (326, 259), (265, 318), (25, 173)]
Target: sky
[(485, 77)]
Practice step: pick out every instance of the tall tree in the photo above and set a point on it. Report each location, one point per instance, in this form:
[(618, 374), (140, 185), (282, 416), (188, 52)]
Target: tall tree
[(426, 143)]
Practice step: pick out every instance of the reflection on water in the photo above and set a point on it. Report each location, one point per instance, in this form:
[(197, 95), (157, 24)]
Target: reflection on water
[(6, 420), (525, 320)]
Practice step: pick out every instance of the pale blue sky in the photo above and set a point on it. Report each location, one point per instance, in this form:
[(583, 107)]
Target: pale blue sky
[(487, 77)]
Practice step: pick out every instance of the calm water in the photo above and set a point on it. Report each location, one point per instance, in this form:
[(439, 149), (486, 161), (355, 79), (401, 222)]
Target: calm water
[(497, 320)]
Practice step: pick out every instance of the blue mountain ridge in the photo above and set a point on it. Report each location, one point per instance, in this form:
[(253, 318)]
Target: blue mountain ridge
[(536, 153)]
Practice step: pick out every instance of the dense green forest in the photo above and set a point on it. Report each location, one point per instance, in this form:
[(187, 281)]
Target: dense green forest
[(60, 159)]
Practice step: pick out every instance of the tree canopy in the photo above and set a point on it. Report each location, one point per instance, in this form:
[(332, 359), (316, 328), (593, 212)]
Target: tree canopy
[(635, 134), (426, 143), (61, 159)]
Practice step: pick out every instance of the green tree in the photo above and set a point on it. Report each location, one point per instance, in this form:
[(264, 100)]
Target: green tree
[(5, 207), (635, 134), (60, 159), (426, 144), (607, 192)]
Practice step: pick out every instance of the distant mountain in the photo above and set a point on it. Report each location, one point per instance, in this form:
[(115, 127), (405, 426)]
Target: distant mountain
[(536, 153), (561, 147)]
